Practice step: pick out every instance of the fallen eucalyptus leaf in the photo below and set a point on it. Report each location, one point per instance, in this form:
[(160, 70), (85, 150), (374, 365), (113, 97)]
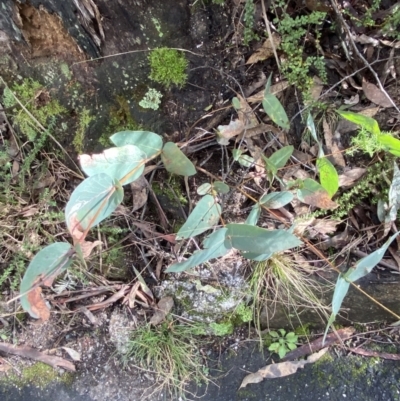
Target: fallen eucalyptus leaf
[(281, 369)]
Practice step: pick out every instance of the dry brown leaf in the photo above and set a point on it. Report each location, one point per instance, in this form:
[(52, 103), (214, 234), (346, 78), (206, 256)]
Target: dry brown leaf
[(275, 89), (321, 200), (266, 50), (226, 132), (349, 177), (38, 306), (164, 306), (75, 355), (316, 88), (316, 226), (87, 247), (281, 369), (375, 95), (246, 114), (28, 352), (139, 193), (332, 146)]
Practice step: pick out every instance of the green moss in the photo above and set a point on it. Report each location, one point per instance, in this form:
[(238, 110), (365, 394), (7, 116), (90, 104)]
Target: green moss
[(37, 101), (223, 328), (40, 375), (303, 330), (120, 120), (84, 121), (173, 190), (168, 66)]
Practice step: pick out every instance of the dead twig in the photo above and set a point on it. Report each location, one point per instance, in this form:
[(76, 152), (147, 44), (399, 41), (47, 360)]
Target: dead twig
[(32, 353)]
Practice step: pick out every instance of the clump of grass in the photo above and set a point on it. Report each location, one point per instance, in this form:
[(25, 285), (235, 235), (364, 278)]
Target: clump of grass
[(171, 350), (168, 66), (284, 281)]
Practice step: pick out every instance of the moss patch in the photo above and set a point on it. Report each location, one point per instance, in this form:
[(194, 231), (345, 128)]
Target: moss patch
[(40, 375), (168, 67)]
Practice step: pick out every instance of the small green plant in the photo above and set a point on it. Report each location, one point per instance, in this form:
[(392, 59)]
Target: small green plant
[(151, 100), (248, 20), (222, 329), (172, 351), (84, 121), (282, 342), (168, 66), (296, 67), (37, 101), (370, 138)]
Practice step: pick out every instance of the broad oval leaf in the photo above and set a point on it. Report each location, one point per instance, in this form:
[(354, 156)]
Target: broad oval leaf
[(149, 142), (91, 202), (204, 188), (204, 216), (175, 160), (328, 176), (44, 267), (275, 200), (368, 123), (221, 187), (314, 194), (254, 215), (281, 156), (215, 246), (273, 107), (256, 256), (125, 163), (249, 238)]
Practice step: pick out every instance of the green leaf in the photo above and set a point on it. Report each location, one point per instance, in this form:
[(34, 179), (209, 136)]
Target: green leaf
[(314, 194), (221, 187), (281, 156), (365, 265), (47, 263), (282, 351), (273, 334), (328, 176), (215, 246), (291, 337), (270, 167), (258, 257), (274, 347), (361, 269), (283, 332), (204, 188), (149, 142), (246, 161), (175, 161), (204, 216), (92, 201), (291, 346), (236, 103), (368, 123), (391, 144), (254, 215), (125, 163), (236, 153), (274, 109), (275, 200), (248, 238)]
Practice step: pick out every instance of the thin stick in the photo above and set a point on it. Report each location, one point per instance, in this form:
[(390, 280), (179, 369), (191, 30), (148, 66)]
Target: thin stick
[(270, 34)]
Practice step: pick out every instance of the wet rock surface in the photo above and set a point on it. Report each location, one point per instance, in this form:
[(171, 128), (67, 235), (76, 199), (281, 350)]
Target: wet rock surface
[(333, 378)]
